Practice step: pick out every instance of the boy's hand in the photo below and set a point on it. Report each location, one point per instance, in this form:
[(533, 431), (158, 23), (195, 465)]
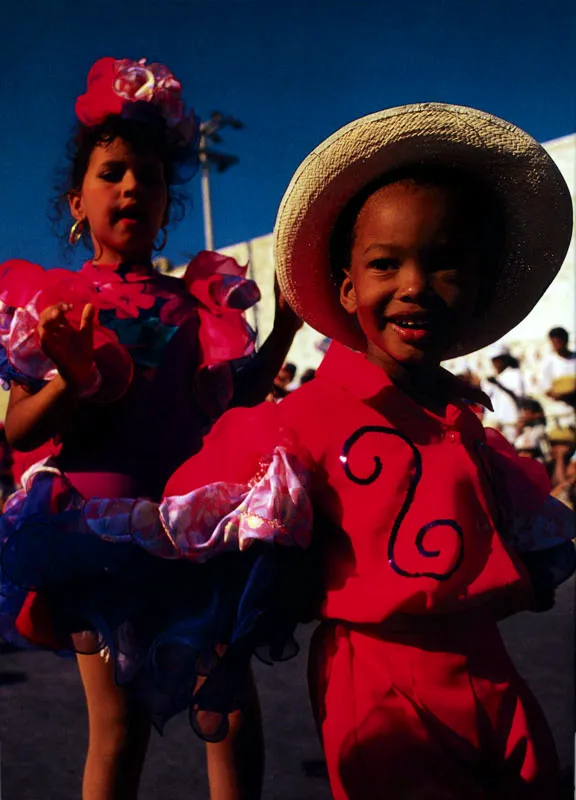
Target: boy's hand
[(71, 349)]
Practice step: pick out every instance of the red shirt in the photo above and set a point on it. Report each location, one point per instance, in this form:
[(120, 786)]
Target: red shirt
[(402, 498)]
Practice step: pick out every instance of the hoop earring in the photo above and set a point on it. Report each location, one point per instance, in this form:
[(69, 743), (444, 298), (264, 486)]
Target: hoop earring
[(76, 232), (162, 245)]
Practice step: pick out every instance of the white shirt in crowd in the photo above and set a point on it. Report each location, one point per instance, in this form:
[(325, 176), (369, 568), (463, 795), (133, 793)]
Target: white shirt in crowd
[(534, 437), (555, 366), (505, 414)]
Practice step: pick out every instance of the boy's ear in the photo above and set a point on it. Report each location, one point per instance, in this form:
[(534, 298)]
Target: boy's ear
[(76, 205), (348, 295)]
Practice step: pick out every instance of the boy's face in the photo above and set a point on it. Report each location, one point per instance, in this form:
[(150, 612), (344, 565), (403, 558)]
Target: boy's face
[(558, 344), (414, 273)]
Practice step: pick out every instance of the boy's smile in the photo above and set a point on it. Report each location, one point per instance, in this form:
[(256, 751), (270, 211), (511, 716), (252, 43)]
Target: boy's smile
[(414, 271)]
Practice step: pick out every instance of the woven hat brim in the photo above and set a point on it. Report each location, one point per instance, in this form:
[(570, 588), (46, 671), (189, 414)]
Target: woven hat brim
[(534, 197)]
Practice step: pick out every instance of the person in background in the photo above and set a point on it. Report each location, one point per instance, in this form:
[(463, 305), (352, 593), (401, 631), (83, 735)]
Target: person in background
[(558, 379), (505, 390), (532, 439), (283, 383), (286, 376), (566, 490), (562, 451), (308, 375)]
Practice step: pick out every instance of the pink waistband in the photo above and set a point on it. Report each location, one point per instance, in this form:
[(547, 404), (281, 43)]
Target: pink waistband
[(102, 484)]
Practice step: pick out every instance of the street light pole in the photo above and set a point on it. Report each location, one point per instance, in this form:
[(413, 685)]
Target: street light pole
[(206, 202), (213, 158)]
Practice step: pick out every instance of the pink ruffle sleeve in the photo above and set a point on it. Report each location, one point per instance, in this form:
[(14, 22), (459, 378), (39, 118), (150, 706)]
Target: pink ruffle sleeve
[(250, 482), (223, 292), (26, 289), (214, 519)]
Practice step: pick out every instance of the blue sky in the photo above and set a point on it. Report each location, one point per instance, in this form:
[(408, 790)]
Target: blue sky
[(293, 72)]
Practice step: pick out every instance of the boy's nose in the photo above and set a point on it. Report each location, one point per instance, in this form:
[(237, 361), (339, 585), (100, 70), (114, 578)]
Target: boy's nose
[(412, 280)]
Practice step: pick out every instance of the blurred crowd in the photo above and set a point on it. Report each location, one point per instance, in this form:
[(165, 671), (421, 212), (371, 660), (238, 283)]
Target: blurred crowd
[(286, 381), (536, 412)]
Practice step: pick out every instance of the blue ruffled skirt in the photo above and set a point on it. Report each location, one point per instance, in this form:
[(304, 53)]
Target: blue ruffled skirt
[(180, 634)]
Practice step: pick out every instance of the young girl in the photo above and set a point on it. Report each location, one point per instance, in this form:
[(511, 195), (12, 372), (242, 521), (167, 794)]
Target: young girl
[(119, 371), (409, 236)]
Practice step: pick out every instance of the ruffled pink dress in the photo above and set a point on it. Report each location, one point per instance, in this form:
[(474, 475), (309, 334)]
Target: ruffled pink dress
[(165, 351)]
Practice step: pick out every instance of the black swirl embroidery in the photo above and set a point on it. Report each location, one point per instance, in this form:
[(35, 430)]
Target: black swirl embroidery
[(408, 500)]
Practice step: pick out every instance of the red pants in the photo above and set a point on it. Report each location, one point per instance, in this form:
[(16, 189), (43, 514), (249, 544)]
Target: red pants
[(428, 714)]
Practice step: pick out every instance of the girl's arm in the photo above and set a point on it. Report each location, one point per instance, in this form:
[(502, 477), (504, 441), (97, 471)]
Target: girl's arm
[(33, 419), (254, 382)]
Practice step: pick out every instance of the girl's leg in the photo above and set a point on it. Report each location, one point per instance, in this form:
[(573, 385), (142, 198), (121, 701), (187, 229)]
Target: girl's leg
[(118, 734), (236, 765)]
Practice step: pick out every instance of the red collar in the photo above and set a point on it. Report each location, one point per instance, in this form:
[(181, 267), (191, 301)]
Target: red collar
[(359, 377), (352, 371)]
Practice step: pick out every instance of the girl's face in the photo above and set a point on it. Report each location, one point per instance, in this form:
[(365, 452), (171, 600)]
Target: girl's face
[(414, 272), (124, 200)]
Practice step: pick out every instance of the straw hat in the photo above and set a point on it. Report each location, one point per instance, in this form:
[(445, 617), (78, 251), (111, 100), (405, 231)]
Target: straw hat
[(532, 191)]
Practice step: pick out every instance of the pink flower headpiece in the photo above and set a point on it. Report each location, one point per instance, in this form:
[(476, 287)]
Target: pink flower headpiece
[(119, 86)]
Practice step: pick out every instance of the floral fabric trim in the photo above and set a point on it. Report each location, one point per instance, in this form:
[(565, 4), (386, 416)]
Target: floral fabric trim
[(214, 519)]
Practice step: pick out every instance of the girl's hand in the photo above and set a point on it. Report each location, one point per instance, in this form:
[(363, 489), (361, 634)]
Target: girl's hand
[(284, 317), (71, 349)]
